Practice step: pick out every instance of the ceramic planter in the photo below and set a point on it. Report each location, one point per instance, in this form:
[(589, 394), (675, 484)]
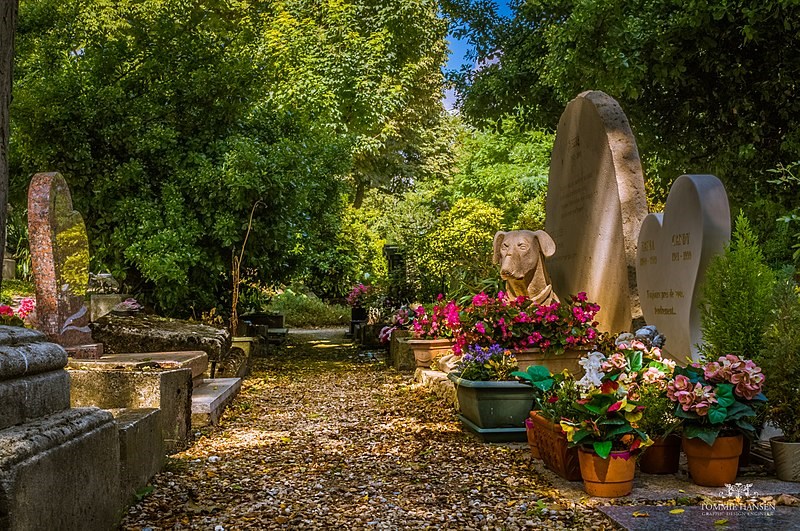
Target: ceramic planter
[(426, 349), (662, 457), (554, 363), (787, 459), (533, 444), (611, 477), (554, 450), (715, 465), (496, 411)]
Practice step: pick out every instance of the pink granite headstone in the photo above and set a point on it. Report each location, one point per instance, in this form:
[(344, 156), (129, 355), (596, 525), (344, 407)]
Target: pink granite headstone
[(60, 260)]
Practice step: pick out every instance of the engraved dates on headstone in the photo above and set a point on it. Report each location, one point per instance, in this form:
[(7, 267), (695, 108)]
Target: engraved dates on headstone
[(673, 253)]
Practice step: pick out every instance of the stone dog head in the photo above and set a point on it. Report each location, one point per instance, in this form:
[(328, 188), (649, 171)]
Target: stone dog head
[(521, 254)]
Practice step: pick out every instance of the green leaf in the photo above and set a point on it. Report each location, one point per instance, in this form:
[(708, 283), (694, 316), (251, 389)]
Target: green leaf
[(544, 385), (538, 372), (717, 414), (706, 433), (739, 410), (724, 394), (602, 448), (619, 430)]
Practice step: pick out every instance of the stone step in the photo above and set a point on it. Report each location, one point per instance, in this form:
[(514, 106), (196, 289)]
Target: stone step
[(196, 360), (60, 472), (210, 398)]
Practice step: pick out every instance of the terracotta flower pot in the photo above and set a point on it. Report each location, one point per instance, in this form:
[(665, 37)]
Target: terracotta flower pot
[(555, 363), (533, 444), (555, 452), (663, 457), (715, 465), (607, 478), (426, 349)]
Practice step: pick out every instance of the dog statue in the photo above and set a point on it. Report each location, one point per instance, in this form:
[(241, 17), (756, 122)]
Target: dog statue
[(521, 255)]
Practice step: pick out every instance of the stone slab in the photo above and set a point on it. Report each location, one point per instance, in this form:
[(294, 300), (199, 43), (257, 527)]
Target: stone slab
[(30, 397), (438, 384), (702, 518), (195, 360), (87, 351), (651, 488), (101, 304), (674, 251), (210, 399), (60, 472), (169, 390), (149, 333), (141, 449), (596, 202), (24, 352)]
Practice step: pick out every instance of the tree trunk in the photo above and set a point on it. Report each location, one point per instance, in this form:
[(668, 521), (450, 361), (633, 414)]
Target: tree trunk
[(8, 23), (361, 188)]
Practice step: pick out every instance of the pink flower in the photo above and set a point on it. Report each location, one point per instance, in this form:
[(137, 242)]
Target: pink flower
[(747, 384), (680, 384), (480, 327), (616, 361), (652, 375), (581, 297), (480, 299), (6, 311)]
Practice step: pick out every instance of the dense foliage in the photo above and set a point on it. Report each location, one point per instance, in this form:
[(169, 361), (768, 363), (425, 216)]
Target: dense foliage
[(170, 119)]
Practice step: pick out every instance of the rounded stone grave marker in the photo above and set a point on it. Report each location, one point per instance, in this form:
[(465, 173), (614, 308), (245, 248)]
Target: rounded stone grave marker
[(595, 205)]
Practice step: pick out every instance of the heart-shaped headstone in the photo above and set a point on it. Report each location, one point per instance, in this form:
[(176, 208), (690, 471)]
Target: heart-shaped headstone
[(60, 260), (674, 251)]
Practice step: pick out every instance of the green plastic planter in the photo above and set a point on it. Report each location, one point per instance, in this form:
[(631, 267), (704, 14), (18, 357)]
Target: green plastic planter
[(496, 411)]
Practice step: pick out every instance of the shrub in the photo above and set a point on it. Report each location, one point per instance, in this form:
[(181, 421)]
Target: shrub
[(780, 360), (737, 297), (306, 310)]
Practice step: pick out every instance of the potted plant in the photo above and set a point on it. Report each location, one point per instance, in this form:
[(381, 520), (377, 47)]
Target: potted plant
[(554, 335), (551, 440), (603, 423), (781, 360), (492, 403), (541, 380), (714, 401), (648, 374), (433, 331)]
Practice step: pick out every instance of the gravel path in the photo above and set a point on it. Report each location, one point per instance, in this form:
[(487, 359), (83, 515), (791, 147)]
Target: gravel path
[(323, 436)]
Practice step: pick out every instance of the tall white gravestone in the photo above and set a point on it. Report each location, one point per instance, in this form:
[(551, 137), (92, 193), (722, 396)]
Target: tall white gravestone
[(596, 203), (675, 249)]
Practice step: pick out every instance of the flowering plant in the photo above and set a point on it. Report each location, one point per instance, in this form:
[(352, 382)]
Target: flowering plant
[(401, 319), (18, 316), (9, 317), (521, 323), (357, 296), (441, 322), (717, 396), (606, 415), (646, 373), (487, 363)]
